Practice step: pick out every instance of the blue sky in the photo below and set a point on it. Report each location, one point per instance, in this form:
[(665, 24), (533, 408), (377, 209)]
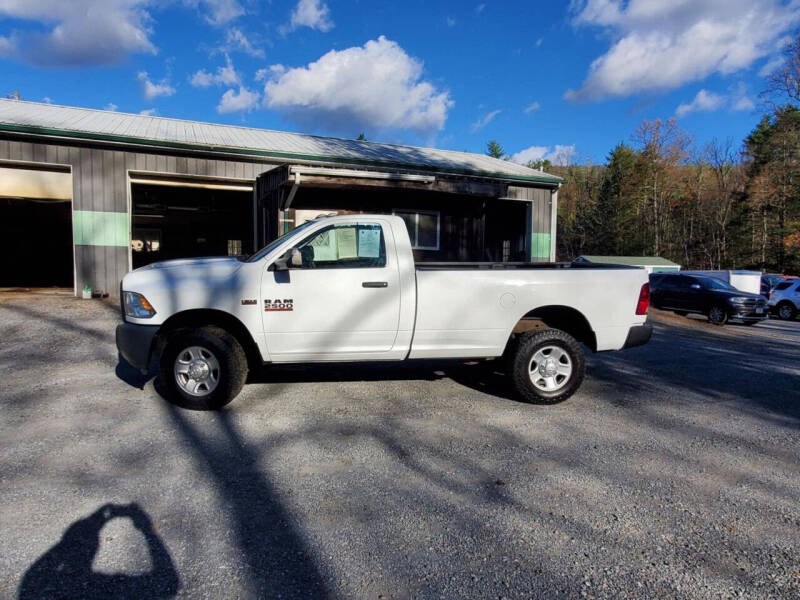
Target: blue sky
[(566, 81)]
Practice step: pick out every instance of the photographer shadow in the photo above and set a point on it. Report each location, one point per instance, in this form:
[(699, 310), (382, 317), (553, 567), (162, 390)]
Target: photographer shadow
[(65, 570)]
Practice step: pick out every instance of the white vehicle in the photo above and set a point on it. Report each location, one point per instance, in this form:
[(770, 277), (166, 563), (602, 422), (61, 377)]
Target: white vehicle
[(784, 299), (346, 289)]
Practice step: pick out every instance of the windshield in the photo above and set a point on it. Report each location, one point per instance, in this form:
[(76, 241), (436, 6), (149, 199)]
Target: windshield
[(710, 283), (277, 242)]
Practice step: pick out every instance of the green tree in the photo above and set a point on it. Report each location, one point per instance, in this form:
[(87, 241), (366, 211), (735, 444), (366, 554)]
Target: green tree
[(773, 190), (361, 137), (615, 214), (543, 164), (494, 149)]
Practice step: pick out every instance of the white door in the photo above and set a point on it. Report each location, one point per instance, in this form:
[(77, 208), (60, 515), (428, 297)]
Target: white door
[(344, 302)]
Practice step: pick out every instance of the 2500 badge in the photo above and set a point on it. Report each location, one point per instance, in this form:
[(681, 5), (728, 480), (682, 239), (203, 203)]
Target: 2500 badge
[(278, 305)]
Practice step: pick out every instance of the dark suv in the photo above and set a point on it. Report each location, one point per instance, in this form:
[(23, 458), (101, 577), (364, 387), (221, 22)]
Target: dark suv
[(718, 300)]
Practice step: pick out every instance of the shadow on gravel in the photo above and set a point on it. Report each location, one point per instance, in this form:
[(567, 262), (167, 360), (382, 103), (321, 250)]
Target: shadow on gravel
[(65, 571), (277, 560), (759, 375), (482, 376)]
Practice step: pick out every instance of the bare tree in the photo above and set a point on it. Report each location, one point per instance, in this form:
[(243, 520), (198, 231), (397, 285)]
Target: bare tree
[(784, 82)]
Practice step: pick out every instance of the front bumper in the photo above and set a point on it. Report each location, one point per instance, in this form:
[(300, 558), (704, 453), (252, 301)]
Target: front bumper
[(638, 335), (749, 314), (135, 343)]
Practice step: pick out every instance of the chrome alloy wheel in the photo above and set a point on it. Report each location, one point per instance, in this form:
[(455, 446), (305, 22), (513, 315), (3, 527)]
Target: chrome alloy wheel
[(550, 368), (716, 314), (196, 371)]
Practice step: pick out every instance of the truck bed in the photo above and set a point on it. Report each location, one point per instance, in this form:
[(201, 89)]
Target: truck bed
[(450, 266)]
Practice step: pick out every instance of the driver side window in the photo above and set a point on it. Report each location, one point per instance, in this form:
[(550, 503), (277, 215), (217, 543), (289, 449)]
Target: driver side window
[(351, 246)]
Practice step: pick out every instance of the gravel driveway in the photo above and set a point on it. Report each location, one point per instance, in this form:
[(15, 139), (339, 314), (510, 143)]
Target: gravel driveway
[(673, 473)]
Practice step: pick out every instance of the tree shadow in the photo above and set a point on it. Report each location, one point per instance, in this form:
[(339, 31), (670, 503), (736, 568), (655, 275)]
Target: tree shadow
[(65, 570), (748, 372), (278, 562)]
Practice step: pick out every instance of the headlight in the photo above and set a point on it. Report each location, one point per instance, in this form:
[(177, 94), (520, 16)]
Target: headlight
[(137, 306), (738, 299)]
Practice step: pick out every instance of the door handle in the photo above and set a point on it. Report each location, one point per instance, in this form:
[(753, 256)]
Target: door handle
[(375, 284)]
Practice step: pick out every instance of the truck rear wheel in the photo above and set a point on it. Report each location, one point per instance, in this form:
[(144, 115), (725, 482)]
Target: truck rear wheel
[(202, 369), (786, 311), (547, 367)]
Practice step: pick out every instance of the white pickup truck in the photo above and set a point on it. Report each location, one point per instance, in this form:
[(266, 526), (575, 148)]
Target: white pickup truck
[(345, 288)]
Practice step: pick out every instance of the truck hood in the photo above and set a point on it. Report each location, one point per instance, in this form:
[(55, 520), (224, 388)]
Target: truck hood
[(206, 262), (190, 276)]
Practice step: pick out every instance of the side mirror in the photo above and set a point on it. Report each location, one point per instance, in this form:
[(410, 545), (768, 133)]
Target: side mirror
[(292, 258), (295, 258), (695, 286)]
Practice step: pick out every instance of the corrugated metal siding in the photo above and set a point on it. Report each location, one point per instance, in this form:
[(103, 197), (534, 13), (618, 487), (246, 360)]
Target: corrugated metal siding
[(99, 180), (99, 183), (88, 122), (541, 206)]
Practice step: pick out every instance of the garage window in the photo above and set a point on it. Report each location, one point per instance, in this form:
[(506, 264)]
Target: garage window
[(423, 227)]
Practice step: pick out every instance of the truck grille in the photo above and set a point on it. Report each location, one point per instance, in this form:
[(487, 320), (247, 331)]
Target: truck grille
[(752, 304)]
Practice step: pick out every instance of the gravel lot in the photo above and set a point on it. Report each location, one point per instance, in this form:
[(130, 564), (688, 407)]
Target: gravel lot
[(673, 473)]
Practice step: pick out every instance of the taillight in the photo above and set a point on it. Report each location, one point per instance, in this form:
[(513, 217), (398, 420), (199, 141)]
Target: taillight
[(644, 300)]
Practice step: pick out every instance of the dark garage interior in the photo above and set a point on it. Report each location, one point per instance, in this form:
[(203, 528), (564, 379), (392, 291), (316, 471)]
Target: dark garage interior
[(36, 239), (180, 222)]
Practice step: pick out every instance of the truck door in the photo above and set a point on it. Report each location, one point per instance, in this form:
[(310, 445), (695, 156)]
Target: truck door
[(342, 302)]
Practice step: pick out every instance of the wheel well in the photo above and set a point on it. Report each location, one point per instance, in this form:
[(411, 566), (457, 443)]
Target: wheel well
[(565, 318), (203, 317)]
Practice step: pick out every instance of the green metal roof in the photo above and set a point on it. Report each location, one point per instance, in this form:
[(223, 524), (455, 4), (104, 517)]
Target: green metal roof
[(635, 261), (101, 125)]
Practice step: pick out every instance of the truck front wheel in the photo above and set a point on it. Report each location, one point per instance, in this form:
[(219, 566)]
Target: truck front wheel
[(547, 367), (203, 369)]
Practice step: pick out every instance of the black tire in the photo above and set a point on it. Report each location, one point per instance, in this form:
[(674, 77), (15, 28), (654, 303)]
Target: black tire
[(718, 315), (522, 355), (229, 356), (786, 311), (681, 313)]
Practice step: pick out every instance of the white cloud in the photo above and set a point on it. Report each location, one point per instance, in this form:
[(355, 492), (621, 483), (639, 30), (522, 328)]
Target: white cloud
[(242, 101), (225, 75), (88, 32), (740, 101), (309, 13), (273, 71), (484, 121), (152, 90), (532, 107), (217, 12), (451, 22), (558, 155), (704, 101), (769, 67), (149, 112), (236, 41), (743, 103), (373, 86), (6, 47), (660, 45), (111, 107)]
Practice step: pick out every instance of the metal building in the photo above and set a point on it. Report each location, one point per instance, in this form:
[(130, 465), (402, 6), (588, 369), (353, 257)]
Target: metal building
[(86, 195)]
